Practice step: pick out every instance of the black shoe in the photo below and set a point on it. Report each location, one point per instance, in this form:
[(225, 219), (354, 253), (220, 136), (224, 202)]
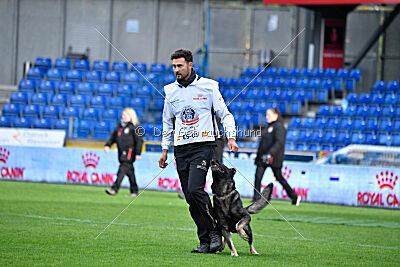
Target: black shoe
[(215, 241), (203, 248), (181, 196)]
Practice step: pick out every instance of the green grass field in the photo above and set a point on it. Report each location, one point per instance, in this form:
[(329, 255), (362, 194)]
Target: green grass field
[(54, 224)]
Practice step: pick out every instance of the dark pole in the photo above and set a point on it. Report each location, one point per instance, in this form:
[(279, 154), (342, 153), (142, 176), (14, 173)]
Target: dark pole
[(375, 36)]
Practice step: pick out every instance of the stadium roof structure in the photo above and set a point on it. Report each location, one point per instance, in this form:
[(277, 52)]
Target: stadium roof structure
[(328, 2)]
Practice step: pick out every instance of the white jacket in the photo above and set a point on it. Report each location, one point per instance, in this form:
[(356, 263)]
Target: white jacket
[(191, 108)]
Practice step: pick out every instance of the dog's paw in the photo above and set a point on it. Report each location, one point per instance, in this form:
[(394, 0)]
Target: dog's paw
[(234, 253)]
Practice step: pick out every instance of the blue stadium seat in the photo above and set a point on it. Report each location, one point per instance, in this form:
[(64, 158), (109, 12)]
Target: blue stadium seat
[(106, 89), (144, 91), (377, 98), (310, 96), (330, 73), (397, 112), (355, 74), (44, 123), (362, 111), (346, 123), (396, 140), (110, 115), (85, 88), (74, 76), (100, 65), (61, 124), (158, 104), (305, 135), (295, 107), (390, 99), (372, 125), (35, 73), (357, 138), (295, 123), (27, 86), (83, 128), (118, 102), (365, 99), (248, 71), (313, 147), (40, 99), (81, 64), (55, 75), (62, 63), (301, 147), (393, 86), (268, 82), (349, 85), (78, 101), (236, 106), (396, 125), (319, 73), (352, 98), (282, 72), (343, 138), (294, 72), (99, 101), (321, 123), (93, 76), (384, 139), (124, 90), (131, 78), (342, 73), (158, 68), (51, 112), (59, 100), (72, 112), (306, 72), (139, 67), (31, 111), (327, 147), (283, 107), (222, 82), (350, 111), (234, 82), (333, 123), (386, 125), (327, 84), (322, 95), (359, 124), (67, 88), (388, 112), (47, 87), (10, 109), (314, 83), (379, 86), (370, 138), (329, 137), (44, 63), (102, 127), (20, 97), (112, 77), (91, 114), (270, 72), (317, 136), (279, 83), (337, 84), (337, 111), (6, 121), (22, 122)]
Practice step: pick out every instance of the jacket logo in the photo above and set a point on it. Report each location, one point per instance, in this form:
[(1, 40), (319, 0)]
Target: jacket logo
[(203, 166), (189, 115), (270, 129), (200, 97), (126, 131)]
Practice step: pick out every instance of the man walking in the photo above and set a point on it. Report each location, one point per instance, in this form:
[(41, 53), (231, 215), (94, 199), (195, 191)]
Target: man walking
[(188, 119)]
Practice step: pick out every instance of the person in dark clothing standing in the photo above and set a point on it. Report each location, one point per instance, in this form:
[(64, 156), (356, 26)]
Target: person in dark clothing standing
[(129, 145), (271, 153), (188, 119)]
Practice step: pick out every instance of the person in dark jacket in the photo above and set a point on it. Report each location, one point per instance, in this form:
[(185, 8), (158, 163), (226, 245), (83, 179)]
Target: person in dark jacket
[(129, 144), (271, 153)]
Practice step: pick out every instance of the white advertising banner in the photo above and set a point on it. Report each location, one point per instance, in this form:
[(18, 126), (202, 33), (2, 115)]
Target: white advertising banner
[(334, 184), (31, 137)]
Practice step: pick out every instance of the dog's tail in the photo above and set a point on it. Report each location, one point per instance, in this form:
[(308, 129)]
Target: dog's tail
[(263, 201)]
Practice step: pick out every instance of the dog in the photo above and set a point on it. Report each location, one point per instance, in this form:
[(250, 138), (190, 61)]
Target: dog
[(228, 207)]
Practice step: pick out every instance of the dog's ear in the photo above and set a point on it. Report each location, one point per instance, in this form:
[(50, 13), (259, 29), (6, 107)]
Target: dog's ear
[(234, 171)]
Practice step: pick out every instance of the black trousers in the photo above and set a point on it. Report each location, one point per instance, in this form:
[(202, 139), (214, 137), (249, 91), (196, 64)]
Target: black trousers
[(126, 168), (261, 167), (192, 166)]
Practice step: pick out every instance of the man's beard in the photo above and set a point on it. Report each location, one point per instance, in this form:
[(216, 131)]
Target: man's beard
[(183, 78)]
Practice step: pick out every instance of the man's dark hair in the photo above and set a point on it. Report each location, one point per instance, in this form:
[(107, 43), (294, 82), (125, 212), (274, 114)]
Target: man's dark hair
[(186, 54), (276, 111)]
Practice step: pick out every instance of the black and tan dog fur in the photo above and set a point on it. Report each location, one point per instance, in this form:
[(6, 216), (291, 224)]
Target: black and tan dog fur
[(228, 207)]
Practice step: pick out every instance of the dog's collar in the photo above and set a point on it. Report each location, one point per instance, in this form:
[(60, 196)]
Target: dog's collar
[(227, 195)]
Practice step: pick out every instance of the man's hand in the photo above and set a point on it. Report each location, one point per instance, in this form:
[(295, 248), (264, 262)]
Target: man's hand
[(162, 162), (268, 159), (233, 147), (106, 148), (138, 157)]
